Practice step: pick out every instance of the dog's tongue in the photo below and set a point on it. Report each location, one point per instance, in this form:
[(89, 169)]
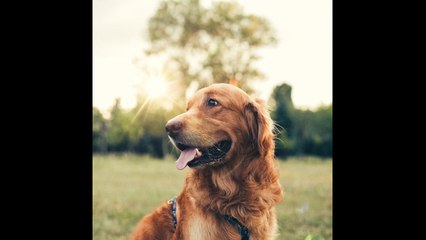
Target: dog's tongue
[(185, 156)]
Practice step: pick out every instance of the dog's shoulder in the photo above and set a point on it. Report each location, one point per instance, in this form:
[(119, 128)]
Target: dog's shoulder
[(157, 225)]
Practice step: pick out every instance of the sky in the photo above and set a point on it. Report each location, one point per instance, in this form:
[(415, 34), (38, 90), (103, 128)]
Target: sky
[(302, 58)]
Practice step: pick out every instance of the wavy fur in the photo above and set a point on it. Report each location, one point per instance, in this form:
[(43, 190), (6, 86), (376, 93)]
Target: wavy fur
[(245, 186)]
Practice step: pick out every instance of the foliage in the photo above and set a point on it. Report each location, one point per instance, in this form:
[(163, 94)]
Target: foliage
[(208, 45), (151, 119), (99, 126), (119, 129), (141, 130), (303, 132), (283, 115)]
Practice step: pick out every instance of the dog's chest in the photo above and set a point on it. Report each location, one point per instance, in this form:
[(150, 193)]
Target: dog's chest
[(199, 228)]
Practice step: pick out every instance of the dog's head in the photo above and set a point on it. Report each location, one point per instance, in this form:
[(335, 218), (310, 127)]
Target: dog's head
[(221, 122)]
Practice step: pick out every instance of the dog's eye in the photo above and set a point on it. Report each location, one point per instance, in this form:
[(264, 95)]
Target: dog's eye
[(212, 102)]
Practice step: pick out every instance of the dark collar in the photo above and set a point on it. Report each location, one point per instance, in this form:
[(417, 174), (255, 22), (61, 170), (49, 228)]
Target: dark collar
[(173, 210), (244, 232)]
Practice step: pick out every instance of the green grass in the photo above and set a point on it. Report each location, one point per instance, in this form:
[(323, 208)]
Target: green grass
[(126, 187)]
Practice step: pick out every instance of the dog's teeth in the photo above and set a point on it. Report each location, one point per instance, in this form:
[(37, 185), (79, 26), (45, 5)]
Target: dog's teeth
[(197, 153)]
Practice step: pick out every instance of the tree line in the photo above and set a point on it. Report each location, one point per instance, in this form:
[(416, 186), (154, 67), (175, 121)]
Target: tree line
[(299, 132)]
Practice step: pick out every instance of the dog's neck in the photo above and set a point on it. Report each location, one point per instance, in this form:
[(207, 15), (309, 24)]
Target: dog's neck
[(242, 188)]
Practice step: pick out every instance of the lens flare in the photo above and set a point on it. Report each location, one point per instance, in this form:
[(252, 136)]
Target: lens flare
[(156, 87)]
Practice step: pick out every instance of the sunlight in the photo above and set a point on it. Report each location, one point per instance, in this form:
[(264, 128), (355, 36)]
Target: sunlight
[(156, 87), (140, 109)]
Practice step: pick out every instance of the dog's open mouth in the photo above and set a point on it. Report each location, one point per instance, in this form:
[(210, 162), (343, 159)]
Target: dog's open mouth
[(196, 156)]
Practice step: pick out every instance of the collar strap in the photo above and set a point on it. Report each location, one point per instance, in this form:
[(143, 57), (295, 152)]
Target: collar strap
[(172, 202), (244, 232)]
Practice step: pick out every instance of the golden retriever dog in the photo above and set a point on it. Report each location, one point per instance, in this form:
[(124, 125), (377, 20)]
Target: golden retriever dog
[(226, 138)]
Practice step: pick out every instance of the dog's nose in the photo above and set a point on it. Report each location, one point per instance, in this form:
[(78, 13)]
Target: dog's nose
[(173, 127)]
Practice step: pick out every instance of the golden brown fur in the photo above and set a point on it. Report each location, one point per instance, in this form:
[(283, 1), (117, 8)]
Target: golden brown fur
[(244, 185)]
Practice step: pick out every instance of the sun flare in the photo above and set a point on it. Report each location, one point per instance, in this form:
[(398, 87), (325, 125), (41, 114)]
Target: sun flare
[(156, 87)]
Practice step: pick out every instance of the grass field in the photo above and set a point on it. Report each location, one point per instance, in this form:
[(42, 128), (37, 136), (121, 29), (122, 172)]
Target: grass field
[(126, 187)]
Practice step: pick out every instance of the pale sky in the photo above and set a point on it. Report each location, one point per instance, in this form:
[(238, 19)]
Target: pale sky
[(302, 58)]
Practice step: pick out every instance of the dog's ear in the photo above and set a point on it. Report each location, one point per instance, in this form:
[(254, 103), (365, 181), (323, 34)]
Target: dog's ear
[(260, 126)]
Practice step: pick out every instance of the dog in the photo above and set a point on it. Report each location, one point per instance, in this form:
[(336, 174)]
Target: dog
[(227, 140)]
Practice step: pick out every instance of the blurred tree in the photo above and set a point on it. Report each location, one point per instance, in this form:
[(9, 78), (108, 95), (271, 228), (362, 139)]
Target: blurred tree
[(303, 131), (323, 135), (283, 114), (99, 131), (150, 118), (208, 45), (121, 132), (313, 133), (300, 132)]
